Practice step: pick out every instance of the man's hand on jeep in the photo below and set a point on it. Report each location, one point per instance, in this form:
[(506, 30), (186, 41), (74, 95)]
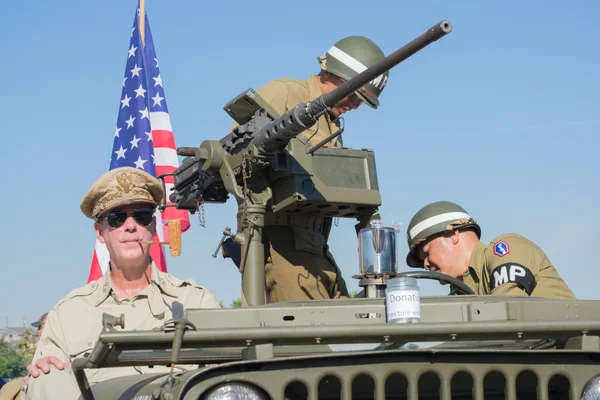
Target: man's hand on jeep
[(43, 364)]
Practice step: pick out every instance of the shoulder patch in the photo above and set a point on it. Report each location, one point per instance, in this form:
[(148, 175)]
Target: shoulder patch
[(513, 273), (501, 248)]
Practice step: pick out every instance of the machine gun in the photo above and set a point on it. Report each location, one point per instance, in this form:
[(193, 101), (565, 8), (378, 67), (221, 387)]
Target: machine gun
[(264, 163)]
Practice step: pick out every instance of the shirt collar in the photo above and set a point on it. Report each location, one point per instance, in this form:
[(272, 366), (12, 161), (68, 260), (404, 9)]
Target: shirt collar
[(476, 262), (104, 286), (161, 281)]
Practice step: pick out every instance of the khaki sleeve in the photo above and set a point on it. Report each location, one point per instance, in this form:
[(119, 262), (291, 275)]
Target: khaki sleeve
[(276, 94), (209, 300), (513, 267), (53, 341), (508, 289)]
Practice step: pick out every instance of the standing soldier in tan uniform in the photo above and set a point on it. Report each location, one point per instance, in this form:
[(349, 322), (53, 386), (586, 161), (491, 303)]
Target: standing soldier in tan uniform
[(122, 204), (443, 237), (299, 265)]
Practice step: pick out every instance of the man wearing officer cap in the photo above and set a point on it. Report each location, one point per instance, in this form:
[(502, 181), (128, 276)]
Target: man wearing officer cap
[(299, 265), (122, 204), (443, 237), (39, 325)]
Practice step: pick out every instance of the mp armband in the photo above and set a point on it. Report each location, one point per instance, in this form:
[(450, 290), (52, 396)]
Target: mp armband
[(513, 273)]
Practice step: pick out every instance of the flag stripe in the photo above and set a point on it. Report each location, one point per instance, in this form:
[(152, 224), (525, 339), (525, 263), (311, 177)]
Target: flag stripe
[(165, 156), (167, 169), (163, 139), (102, 255), (160, 121), (95, 269)]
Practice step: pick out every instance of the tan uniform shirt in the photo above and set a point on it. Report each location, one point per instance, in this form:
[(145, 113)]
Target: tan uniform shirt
[(284, 94), (513, 265), (299, 265), (74, 324)]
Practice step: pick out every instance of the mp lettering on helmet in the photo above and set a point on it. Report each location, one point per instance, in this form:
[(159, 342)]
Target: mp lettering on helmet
[(501, 248), (513, 273)]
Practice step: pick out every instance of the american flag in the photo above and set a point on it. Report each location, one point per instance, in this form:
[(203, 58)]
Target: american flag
[(143, 137)]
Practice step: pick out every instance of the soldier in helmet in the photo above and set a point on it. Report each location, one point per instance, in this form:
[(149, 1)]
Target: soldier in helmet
[(299, 265), (443, 237)]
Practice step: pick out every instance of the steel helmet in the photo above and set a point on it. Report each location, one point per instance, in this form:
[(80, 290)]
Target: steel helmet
[(349, 57), (432, 219)]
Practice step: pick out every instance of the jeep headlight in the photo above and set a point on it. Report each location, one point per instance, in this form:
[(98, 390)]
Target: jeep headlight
[(592, 390), (236, 391)]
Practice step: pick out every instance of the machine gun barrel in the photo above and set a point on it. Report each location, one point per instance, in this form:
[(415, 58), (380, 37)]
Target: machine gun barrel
[(347, 88), (279, 132)]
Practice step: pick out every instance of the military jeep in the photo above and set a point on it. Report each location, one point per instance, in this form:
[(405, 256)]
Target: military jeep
[(465, 347)]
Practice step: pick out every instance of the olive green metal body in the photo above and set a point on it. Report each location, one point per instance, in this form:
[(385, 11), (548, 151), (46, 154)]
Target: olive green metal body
[(492, 346)]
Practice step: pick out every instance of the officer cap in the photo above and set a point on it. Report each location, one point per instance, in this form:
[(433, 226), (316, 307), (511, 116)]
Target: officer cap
[(121, 186), (40, 321)]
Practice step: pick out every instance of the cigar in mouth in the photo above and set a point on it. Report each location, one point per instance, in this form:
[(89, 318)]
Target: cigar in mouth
[(174, 238), (149, 242)]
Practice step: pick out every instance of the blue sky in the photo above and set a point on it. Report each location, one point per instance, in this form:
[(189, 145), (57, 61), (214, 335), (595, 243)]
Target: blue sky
[(500, 116)]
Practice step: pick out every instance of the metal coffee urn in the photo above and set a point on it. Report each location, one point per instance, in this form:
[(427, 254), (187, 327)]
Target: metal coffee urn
[(377, 258)]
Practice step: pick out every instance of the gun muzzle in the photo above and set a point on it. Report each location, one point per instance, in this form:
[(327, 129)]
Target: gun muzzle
[(279, 132), (186, 151), (433, 34)]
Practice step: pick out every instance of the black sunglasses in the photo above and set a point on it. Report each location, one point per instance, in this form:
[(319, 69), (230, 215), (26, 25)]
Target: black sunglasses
[(142, 216)]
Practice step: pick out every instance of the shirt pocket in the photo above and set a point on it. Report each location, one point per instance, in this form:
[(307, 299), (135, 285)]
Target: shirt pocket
[(81, 348), (308, 241)]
